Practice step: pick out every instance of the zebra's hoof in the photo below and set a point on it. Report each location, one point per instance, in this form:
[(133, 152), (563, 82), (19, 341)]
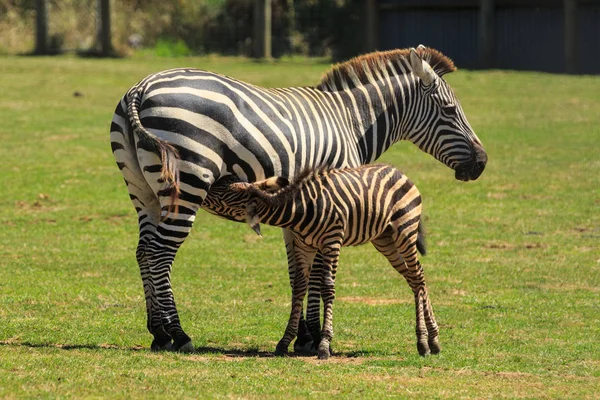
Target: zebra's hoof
[(324, 350), (161, 345), (186, 348), (423, 349), (282, 349), (304, 348), (323, 354), (315, 349), (434, 345), (280, 353)]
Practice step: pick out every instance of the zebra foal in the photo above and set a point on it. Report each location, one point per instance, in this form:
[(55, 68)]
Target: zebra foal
[(326, 209)]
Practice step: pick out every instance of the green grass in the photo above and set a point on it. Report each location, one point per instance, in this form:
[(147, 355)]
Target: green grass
[(513, 264)]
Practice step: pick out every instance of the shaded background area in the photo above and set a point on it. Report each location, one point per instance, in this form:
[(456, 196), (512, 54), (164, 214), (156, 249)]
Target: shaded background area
[(542, 35)]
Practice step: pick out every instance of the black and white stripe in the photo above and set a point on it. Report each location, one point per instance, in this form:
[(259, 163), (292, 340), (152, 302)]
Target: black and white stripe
[(328, 209), (178, 131)]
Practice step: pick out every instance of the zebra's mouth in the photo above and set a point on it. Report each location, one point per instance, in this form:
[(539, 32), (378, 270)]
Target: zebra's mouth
[(470, 171)]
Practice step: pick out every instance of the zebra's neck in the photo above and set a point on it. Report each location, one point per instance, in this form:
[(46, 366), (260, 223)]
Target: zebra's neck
[(379, 117)]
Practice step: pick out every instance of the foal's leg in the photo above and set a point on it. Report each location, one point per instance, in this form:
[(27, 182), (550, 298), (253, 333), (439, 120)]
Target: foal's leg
[(303, 257), (304, 341), (403, 257)]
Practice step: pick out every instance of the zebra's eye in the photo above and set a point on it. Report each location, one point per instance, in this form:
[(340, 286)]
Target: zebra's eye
[(449, 109)]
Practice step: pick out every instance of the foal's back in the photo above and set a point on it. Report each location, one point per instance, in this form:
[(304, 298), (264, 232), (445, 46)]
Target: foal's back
[(368, 200)]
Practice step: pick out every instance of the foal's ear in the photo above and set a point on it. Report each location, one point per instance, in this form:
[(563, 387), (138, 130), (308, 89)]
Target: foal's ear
[(239, 186), (421, 68), (273, 184), (252, 217)]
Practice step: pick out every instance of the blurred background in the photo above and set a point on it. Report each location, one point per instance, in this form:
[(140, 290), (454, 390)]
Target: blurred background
[(542, 35)]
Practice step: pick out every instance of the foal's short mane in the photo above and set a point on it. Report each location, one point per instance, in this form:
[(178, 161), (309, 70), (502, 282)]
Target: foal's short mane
[(284, 195), (372, 63)]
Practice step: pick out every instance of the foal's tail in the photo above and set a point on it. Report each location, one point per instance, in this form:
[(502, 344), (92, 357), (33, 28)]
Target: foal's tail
[(421, 239)]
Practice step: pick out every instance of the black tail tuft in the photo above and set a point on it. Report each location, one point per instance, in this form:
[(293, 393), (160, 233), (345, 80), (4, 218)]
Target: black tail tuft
[(421, 239)]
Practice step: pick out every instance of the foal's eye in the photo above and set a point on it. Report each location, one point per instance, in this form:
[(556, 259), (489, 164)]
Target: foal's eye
[(450, 109)]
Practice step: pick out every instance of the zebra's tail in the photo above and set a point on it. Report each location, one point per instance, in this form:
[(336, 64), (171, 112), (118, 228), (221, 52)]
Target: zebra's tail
[(167, 153), (421, 239)]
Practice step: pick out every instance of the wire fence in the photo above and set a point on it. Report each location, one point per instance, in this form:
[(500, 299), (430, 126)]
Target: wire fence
[(184, 27)]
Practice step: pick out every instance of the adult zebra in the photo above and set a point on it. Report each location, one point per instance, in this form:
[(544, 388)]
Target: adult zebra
[(176, 132)]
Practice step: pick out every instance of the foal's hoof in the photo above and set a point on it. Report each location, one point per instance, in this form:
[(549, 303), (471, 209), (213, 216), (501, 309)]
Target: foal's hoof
[(434, 345), (423, 349)]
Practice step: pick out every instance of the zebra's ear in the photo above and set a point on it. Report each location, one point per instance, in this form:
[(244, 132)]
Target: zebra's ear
[(239, 186), (421, 68), (273, 184), (252, 217)]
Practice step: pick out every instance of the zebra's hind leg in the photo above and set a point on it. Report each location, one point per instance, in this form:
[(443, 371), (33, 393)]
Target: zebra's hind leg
[(177, 215), (148, 214), (148, 210), (403, 257), (171, 232)]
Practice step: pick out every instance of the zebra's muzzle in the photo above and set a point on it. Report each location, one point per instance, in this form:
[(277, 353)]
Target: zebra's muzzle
[(471, 170)]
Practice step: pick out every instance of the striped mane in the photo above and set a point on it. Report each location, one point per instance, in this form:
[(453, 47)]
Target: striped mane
[(361, 70)]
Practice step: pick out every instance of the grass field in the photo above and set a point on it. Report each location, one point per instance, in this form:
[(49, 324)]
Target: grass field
[(513, 264)]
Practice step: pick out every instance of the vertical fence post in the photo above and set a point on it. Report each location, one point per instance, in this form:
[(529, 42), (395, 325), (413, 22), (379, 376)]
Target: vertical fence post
[(571, 37), (41, 27), (371, 26), (261, 41), (486, 33), (104, 38)]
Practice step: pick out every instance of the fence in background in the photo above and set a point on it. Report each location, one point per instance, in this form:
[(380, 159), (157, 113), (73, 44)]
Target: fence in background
[(260, 28), (541, 35), (546, 35)]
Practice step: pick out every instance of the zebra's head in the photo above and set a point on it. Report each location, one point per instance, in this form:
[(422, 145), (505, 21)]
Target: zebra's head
[(252, 193), (441, 127), (228, 197), (224, 203)]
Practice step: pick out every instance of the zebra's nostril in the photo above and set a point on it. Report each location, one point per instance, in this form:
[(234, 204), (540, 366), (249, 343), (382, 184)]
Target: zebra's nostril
[(480, 155)]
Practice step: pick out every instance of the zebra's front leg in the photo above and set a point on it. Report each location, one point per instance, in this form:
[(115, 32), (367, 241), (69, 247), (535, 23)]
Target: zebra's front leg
[(330, 261), (303, 262), (304, 341)]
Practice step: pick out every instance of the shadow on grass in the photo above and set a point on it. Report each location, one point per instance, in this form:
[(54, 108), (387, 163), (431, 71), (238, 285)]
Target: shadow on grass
[(268, 354), (202, 350), (10, 343)]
